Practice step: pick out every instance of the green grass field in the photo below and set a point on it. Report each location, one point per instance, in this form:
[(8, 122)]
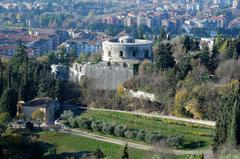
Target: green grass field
[(76, 144), (195, 136)]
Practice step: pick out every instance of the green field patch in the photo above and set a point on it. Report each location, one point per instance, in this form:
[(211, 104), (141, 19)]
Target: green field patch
[(195, 136), (71, 144)]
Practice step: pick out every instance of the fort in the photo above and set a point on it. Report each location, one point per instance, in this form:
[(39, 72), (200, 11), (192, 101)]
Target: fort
[(127, 49), (119, 55)]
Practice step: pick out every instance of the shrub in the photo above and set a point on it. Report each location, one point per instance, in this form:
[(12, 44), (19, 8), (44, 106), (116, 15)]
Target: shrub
[(130, 133), (108, 129), (140, 135), (72, 122), (29, 126), (99, 154), (97, 126), (84, 123), (175, 141), (67, 114), (152, 138), (119, 131)]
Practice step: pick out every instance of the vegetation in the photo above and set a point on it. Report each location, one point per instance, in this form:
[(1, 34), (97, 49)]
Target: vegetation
[(125, 152), (227, 127), (38, 116), (145, 129), (77, 144)]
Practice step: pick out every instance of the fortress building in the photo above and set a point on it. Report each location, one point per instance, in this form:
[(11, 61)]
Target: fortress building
[(127, 50), (119, 58)]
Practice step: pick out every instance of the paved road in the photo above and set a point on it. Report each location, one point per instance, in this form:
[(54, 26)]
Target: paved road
[(131, 144), (195, 121)]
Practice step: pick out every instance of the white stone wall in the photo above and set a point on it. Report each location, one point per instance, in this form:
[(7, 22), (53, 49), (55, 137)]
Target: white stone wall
[(101, 76), (141, 94)]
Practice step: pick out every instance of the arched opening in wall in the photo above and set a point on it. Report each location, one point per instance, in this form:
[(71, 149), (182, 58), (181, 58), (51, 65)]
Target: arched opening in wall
[(121, 54), (146, 54)]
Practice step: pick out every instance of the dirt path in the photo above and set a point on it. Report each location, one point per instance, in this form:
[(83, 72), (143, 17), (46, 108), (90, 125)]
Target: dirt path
[(131, 144), (195, 121)]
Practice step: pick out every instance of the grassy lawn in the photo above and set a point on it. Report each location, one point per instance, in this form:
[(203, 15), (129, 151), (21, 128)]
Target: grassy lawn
[(195, 136), (76, 144)]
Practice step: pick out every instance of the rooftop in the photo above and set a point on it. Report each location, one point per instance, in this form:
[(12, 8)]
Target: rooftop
[(40, 102), (127, 40)]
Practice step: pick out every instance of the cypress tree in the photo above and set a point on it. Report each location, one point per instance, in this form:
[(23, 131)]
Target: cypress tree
[(59, 90), (234, 134), (222, 123), (1, 77), (8, 99), (227, 124), (8, 102), (125, 152)]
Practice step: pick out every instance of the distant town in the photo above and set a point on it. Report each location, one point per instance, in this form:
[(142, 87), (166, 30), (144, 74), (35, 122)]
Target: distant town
[(53, 24)]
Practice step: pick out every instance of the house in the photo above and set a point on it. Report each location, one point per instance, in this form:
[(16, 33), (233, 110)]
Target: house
[(48, 105)]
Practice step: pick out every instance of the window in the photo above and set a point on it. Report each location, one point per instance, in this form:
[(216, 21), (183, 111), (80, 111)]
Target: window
[(146, 54), (134, 54), (121, 54), (50, 111), (109, 53)]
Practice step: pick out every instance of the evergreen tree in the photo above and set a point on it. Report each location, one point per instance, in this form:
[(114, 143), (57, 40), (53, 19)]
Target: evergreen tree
[(187, 43), (163, 34), (125, 152), (59, 90), (1, 77), (8, 99), (231, 49), (18, 64), (223, 120), (227, 124), (183, 67), (163, 56), (234, 134)]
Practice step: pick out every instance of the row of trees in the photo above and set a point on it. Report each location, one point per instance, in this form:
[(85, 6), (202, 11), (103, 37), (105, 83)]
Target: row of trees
[(119, 130)]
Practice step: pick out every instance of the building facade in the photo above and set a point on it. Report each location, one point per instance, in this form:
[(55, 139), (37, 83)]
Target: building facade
[(127, 50), (48, 105)]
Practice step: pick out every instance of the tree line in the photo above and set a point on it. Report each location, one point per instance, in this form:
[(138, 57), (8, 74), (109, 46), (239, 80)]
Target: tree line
[(23, 79)]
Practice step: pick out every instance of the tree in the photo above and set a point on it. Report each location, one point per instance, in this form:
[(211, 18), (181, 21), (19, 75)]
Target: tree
[(1, 77), (163, 56), (18, 64), (234, 134), (125, 152), (99, 154), (183, 67), (163, 34), (175, 141), (59, 90), (120, 90), (38, 116), (4, 118), (187, 43), (8, 102), (227, 124)]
